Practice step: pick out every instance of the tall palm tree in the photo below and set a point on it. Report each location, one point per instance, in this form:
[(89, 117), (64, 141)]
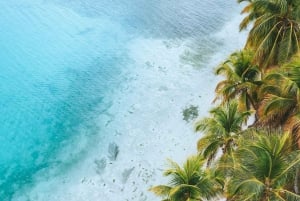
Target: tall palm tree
[(190, 183), (264, 168), (242, 80), (275, 33), (221, 130)]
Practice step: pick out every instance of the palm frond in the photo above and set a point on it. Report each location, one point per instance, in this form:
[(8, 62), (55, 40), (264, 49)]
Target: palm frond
[(290, 196), (263, 163), (189, 182), (274, 35), (161, 190)]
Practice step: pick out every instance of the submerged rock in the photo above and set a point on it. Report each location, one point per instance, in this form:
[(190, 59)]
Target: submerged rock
[(126, 173), (100, 165), (113, 151), (190, 113)]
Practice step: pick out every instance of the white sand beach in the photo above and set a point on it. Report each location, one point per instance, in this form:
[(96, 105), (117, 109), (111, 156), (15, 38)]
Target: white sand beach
[(148, 114)]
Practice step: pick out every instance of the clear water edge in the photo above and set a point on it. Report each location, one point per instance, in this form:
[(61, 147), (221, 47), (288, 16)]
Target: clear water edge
[(58, 80)]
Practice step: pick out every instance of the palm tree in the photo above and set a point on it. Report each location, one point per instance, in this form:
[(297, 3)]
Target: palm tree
[(264, 168), (275, 34), (190, 183), (221, 130), (242, 80), (279, 100), (280, 103)]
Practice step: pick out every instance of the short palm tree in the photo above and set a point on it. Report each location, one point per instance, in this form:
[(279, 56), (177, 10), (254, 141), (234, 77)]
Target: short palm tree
[(275, 34), (242, 80), (220, 131), (264, 169), (190, 183)]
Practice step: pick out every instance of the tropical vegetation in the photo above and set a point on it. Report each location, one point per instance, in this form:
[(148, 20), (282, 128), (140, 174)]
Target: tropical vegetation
[(191, 182), (275, 34), (242, 80), (263, 168), (221, 130), (241, 160)]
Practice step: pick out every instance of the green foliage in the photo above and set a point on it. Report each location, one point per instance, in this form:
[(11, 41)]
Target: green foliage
[(255, 164), (187, 183), (275, 33), (242, 80), (221, 130), (263, 168), (280, 96)]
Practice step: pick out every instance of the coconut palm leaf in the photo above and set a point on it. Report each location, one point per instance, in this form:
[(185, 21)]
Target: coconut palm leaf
[(185, 192), (161, 190), (293, 126), (241, 80), (290, 196), (221, 130), (292, 70), (264, 167), (272, 103), (189, 182), (280, 97), (209, 151), (274, 36)]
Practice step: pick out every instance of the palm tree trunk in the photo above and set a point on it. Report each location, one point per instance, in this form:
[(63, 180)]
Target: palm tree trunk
[(267, 192), (254, 107), (251, 101)]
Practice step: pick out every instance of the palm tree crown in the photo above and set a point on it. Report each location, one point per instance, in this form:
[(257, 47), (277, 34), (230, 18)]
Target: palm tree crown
[(280, 99), (189, 183), (264, 167), (220, 130), (242, 78), (275, 33)]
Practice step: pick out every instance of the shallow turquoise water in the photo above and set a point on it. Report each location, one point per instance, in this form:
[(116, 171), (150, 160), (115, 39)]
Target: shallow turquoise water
[(61, 59)]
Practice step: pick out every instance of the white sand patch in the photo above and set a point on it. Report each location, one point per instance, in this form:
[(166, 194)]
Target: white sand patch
[(146, 122)]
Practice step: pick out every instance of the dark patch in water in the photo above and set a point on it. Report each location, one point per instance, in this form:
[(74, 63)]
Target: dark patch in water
[(86, 31)]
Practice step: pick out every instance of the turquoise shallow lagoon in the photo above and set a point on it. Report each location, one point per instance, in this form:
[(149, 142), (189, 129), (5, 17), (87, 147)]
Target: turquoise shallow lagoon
[(56, 67), (63, 61)]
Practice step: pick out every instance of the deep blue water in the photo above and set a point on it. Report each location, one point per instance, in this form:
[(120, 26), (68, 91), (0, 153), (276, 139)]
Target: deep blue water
[(60, 60)]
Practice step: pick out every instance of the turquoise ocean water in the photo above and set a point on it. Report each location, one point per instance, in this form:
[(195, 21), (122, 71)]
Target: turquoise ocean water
[(60, 61)]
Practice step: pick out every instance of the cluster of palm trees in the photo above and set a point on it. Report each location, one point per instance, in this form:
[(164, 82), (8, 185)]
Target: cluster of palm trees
[(238, 160)]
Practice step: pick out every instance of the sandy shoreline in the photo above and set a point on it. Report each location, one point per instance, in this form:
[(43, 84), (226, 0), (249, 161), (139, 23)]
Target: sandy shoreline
[(147, 112)]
